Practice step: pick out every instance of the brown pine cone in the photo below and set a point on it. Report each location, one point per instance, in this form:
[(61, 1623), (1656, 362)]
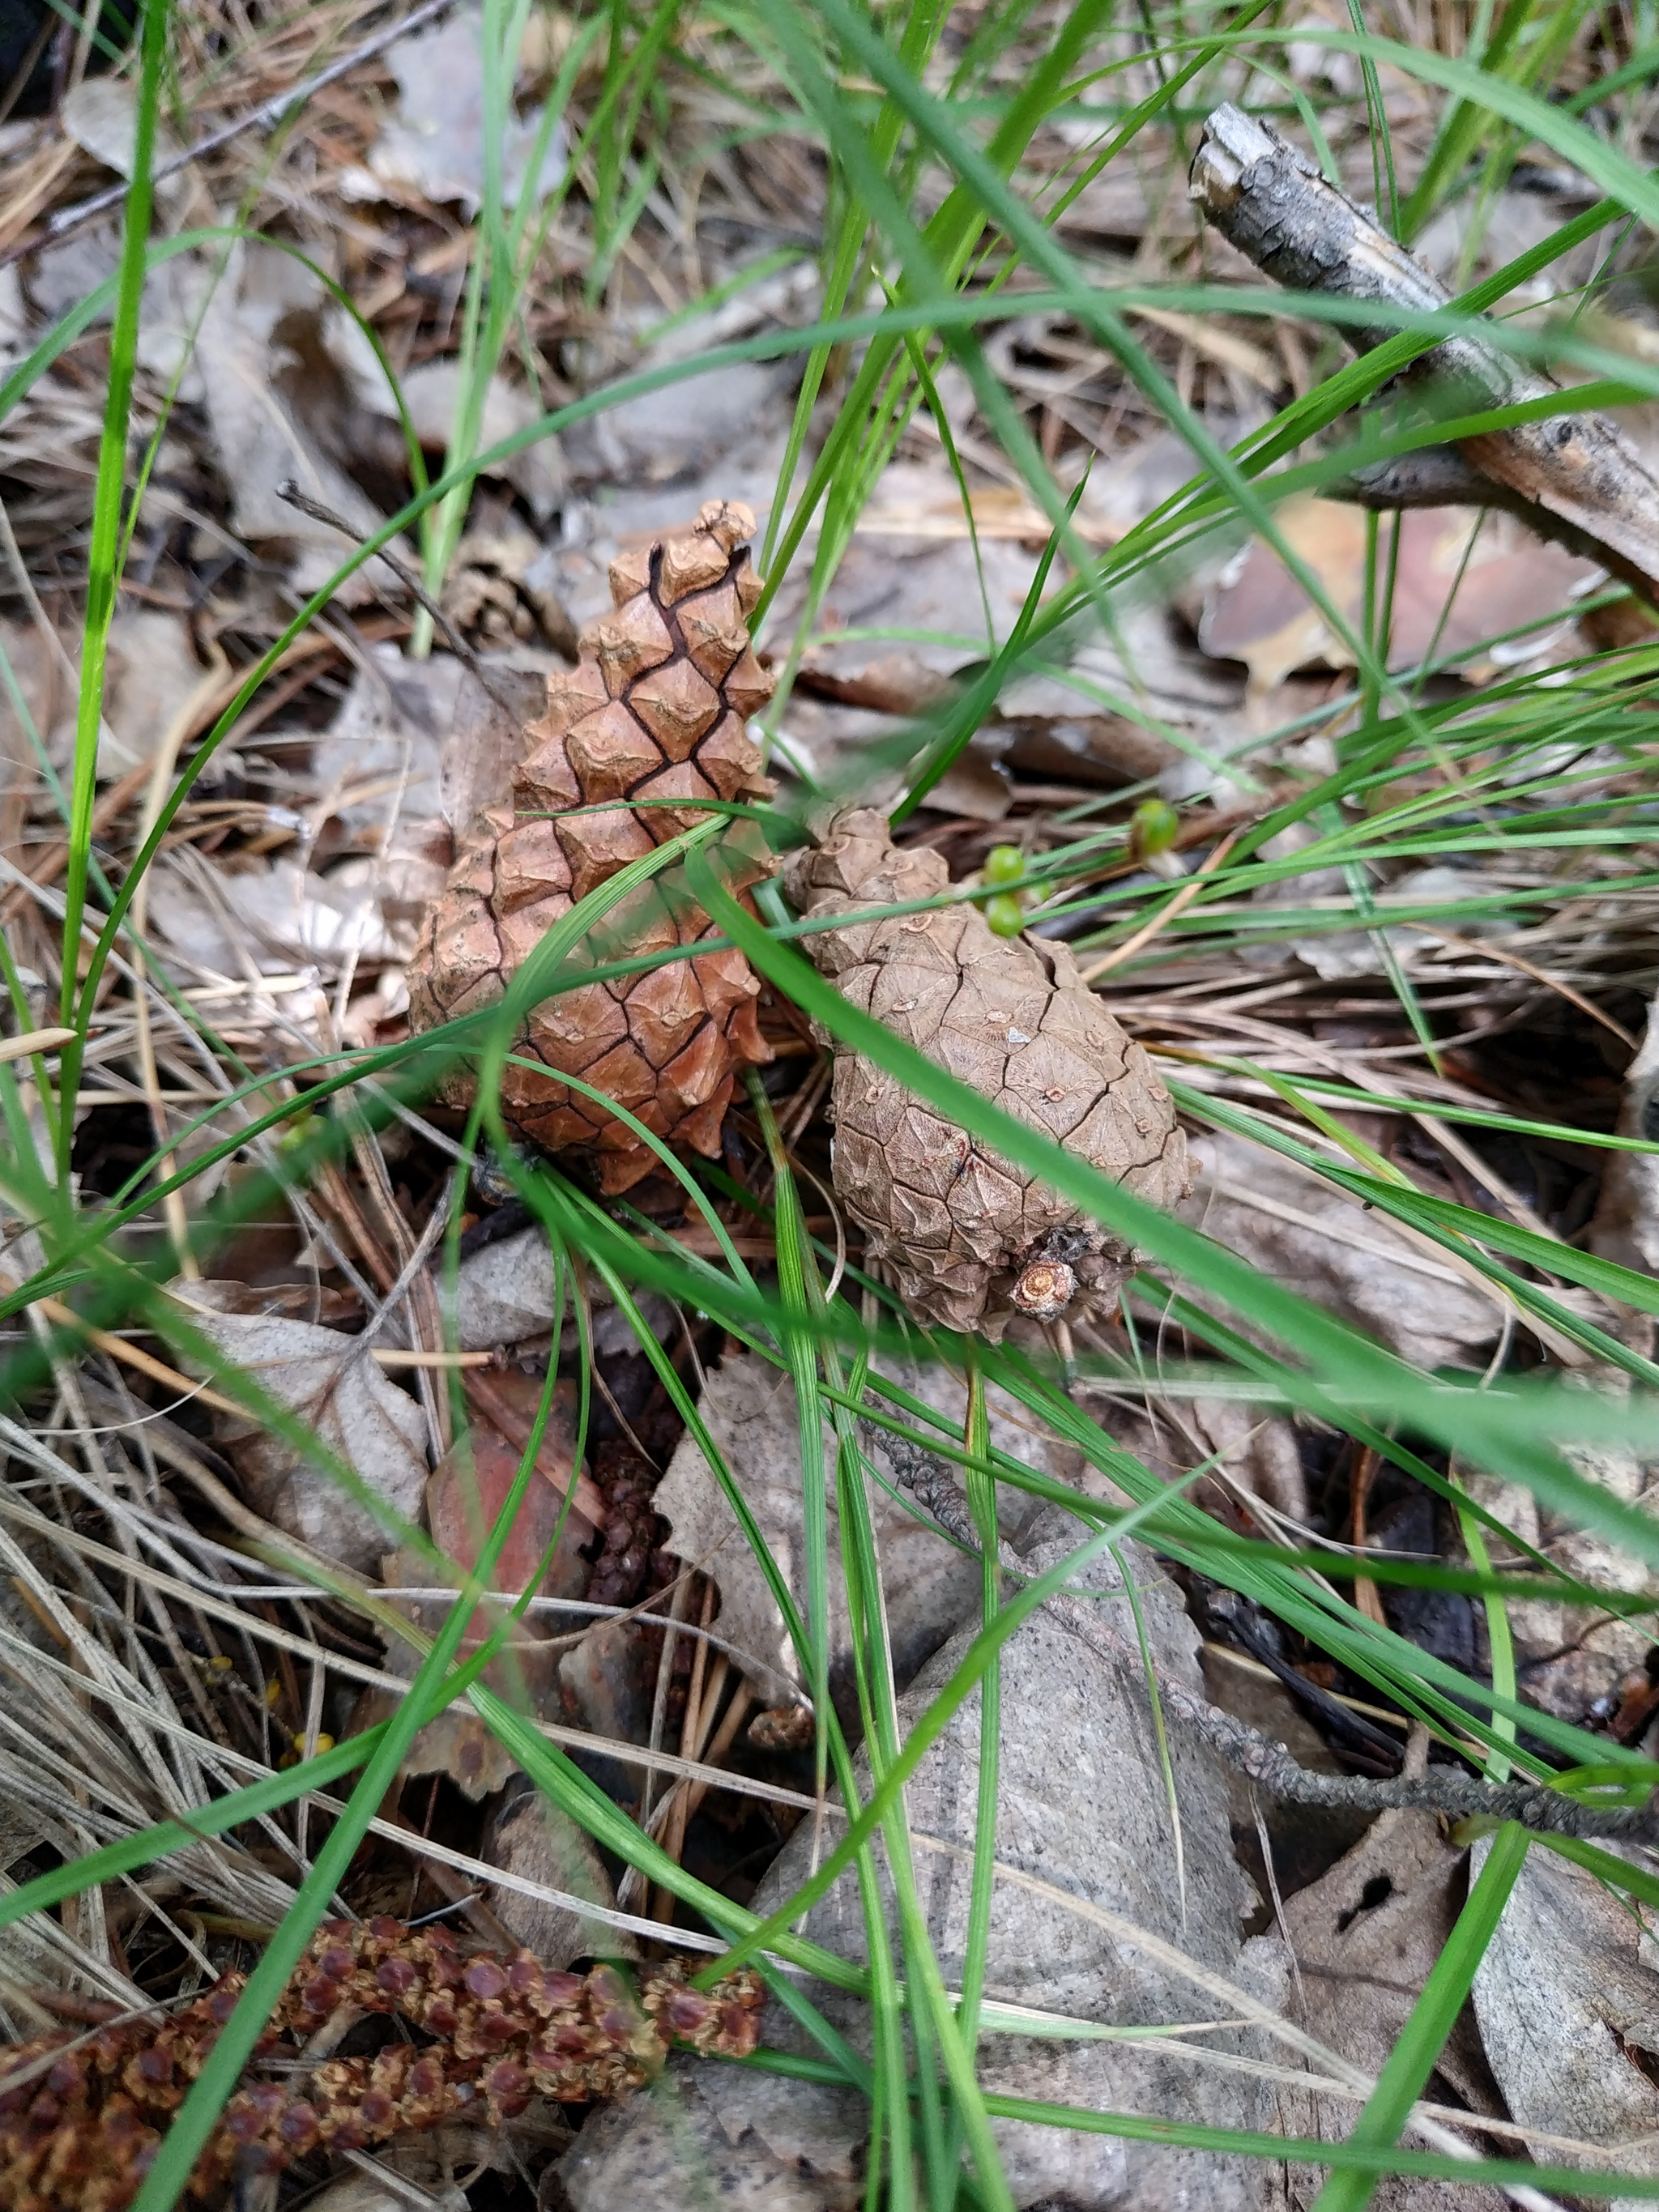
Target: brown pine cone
[(656, 708), (967, 1239)]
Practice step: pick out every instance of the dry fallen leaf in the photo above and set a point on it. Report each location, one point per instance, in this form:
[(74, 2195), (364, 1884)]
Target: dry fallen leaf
[(1300, 1231), (273, 394), (1082, 1807), (750, 1409), (889, 581), (1571, 1656), (1449, 596), (1626, 1223), (330, 1382), (377, 763), (433, 144), (1364, 1937), (277, 915), (154, 676), (1568, 2002), (536, 1841), (368, 2192)]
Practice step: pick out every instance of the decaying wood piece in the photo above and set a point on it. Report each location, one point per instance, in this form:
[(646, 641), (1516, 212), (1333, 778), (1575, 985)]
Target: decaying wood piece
[(1576, 479), (968, 1239)]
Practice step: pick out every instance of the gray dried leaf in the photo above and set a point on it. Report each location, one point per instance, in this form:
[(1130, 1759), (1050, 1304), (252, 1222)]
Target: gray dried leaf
[(379, 759), (1364, 1937), (537, 1842), (1141, 702), (282, 916), (154, 677), (435, 143), (1571, 1656), (1302, 1232), (431, 392), (911, 567), (749, 1408), (331, 1383), (1082, 1808), (505, 1291), (261, 397), (1568, 2002), (680, 431), (1626, 1223), (384, 2192)]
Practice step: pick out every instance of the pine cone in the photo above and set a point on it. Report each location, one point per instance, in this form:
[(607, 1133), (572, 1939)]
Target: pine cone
[(656, 708), (967, 1239)]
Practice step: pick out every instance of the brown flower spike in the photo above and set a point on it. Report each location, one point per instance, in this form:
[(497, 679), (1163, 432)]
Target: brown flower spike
[(967, 1239), (81, 2119), (657, 710)]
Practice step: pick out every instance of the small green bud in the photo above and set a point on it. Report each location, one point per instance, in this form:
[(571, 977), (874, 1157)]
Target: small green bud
[(1004, 863), (1005, 915), (1153, 827)]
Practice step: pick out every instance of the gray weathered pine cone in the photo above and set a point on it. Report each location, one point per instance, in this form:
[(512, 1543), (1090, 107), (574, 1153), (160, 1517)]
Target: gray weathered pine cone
[(967, 1239)]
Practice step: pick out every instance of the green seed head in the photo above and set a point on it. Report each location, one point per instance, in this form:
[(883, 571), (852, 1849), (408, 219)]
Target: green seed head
[(1004, 863), (1005, 915), (1153, 827)]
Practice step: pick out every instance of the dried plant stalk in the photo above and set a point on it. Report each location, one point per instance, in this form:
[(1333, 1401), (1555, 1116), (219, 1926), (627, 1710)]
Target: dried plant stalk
[(968, 1240), (80, 2126), (656, 710)]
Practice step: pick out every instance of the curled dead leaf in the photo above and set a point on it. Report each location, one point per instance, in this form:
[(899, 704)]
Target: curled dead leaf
[(331, 1383)]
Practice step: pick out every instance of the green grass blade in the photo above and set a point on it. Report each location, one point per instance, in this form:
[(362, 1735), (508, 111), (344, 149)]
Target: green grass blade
[(106, 516)]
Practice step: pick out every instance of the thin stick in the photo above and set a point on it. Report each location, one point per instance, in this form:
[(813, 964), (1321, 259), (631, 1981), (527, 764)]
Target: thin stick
[(1575, 476), (268, 111), (1269, 1764), (290, 493), (1161, 921)]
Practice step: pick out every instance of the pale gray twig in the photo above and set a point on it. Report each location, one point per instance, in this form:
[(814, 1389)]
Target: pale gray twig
[(1267, 1763)]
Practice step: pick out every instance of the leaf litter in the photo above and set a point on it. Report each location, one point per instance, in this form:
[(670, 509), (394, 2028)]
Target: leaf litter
[(156, 1648)]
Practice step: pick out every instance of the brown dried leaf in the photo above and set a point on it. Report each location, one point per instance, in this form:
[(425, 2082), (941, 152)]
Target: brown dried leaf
[(1447, 594)]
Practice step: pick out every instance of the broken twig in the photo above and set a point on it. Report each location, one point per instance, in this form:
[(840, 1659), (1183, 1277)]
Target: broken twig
[(1575, 479), (1268, 1764)]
